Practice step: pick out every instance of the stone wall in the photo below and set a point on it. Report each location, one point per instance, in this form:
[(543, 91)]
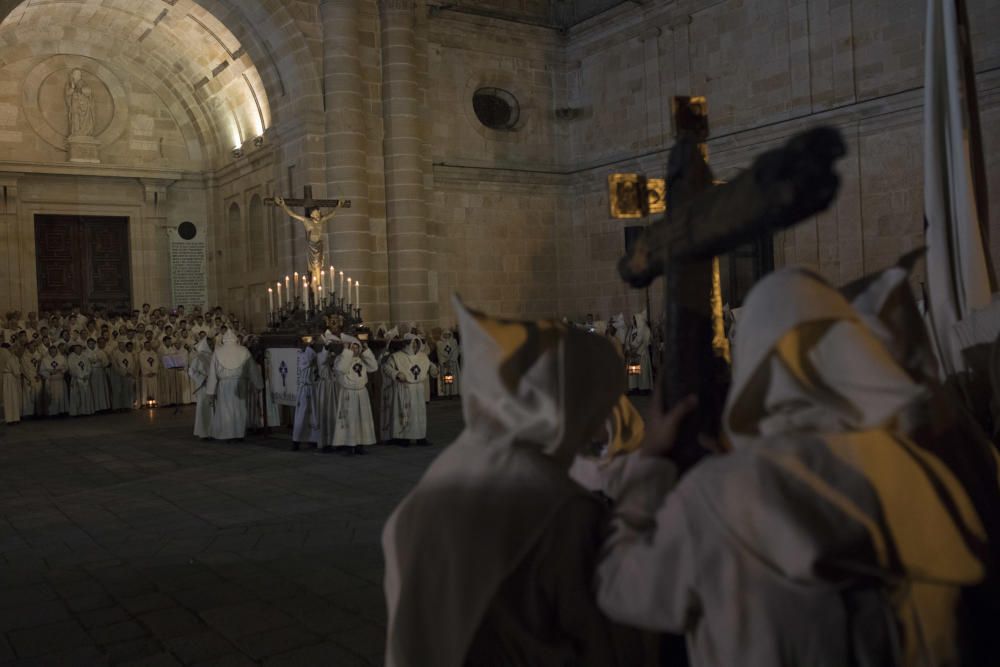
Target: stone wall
[(768, 71)]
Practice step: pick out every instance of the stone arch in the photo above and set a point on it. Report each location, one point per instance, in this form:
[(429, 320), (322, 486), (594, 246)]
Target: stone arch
[(234, 238), (258, 233)]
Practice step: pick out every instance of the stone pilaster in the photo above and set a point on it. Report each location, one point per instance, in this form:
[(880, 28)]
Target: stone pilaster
[(150, 246), (18, 289), (406, 206), (350, 242)]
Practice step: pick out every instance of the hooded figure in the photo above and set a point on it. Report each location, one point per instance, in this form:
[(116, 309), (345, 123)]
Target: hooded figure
[(227, 386), (31, 382), (326, 392), (198, 370), (99, 376), (306, 426), (449, 355), (834, 534), (489, 558), (149, 371), (123, 369), (386, 388), (637, 351), (407, 371), (52, 368), (355, 427), (10, 384), (81, 397)]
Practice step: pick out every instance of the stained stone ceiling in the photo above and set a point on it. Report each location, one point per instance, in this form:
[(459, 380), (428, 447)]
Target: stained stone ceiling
[(190, 60), (554, 13)]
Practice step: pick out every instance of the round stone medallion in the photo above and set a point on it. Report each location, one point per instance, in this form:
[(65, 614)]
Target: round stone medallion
[(45, 106)]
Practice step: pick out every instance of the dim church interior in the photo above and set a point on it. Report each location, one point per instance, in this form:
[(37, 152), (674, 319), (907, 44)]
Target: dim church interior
[(199, 110)]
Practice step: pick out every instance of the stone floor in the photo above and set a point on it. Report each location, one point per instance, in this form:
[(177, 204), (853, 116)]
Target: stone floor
[(125, 541)]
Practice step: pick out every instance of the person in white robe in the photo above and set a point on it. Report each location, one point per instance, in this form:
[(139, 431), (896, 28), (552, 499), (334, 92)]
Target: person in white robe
[(637, 351), (386, 388), (326, 393), (123, 377), (169, 376), (81, 397), (306, 427), (423, 351), (198, 370), (449, 355), (149, 371), (52, 368), (406, 371), (355, 426), (489, 559), (99, 376), (10, 374), (31, 382), (227, 388), (185, 351), (847, 527)]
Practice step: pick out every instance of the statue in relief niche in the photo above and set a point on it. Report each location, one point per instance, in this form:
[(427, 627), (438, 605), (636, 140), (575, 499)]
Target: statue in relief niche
[(80, 102)]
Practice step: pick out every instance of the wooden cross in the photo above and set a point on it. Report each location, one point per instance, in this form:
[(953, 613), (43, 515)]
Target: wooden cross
[(783, 187), (311, 204)]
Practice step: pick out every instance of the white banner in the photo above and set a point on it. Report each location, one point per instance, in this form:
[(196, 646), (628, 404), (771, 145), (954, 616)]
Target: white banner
[(283, 374)]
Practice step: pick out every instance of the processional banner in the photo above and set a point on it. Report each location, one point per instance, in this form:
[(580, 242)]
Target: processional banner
[(283, 375)]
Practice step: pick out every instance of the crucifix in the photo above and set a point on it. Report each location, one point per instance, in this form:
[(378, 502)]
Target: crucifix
[(313, 221), (782, 187)]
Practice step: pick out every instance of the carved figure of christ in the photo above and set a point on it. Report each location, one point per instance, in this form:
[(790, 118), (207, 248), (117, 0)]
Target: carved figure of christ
[(313, 223)]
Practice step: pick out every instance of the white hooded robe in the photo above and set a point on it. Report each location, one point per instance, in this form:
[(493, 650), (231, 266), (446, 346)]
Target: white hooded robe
[(198, 370), (354, 411), (227, 382)]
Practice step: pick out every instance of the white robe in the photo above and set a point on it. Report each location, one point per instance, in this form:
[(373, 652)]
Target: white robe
[(306, 427), (449, 355), (31, 385), (355, 425), (149, 370), (326, 399), (10, 367), (99, 379), (53, 372), (123, 382), (81, 398), (198, 371), (408, 410), (228, 384), (637, 346)]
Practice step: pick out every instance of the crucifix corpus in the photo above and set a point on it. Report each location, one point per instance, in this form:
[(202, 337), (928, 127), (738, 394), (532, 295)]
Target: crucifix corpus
[(313, 222), (782, 187)]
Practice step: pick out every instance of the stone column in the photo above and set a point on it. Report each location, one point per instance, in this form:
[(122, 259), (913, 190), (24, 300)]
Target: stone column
[(406, 207), (17, 284), (151, 264), (349, 239)]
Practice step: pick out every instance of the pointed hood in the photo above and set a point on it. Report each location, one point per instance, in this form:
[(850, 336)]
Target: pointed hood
[(537, 393), (825, 482), (230, 353)]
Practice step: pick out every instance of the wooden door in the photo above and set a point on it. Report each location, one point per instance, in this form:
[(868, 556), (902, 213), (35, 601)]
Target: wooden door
[(82, 261)]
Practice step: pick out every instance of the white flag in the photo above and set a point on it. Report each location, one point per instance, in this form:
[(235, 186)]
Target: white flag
[(958, 272)]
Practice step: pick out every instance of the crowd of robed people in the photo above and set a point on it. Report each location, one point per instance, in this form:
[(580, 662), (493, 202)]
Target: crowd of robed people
[(78, 363), (847, 515), (333, 409)]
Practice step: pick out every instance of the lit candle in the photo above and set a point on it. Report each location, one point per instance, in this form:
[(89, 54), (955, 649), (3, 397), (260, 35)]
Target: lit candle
[(357, 292), (319, 298), (295, 276), (348, 290), (279, 294), (270, 300), (341, 290), (333, 284), (305, 293), (288, 288), (322, 276)]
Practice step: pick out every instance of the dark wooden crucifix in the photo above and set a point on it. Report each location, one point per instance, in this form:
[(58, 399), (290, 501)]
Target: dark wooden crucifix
[(313, 221), (783, 187)]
